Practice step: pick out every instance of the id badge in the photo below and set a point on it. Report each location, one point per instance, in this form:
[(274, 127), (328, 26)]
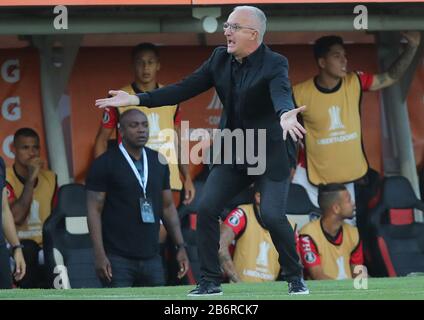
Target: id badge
[(147, 215)]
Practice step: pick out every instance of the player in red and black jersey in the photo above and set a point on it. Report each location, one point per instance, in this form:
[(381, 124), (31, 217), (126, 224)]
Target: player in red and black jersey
[(329, 247)]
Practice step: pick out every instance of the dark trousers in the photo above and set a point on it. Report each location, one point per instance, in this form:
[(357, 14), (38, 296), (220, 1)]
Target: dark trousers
[(224, 183), (35, 276), (5, 271), (135, 273)]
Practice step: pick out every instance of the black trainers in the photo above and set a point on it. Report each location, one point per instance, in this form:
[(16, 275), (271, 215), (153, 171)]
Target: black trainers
[(298, 286), (205, 289)]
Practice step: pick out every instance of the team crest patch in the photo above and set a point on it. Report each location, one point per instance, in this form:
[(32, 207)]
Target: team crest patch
[(106, 117), (310, 257), (234, 221)]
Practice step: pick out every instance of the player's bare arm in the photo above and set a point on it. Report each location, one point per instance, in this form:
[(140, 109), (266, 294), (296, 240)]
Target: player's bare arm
[(9, 230), (317, 273), (189, 190), (21, 206), (398, 68), (226, 238), (102, 138)]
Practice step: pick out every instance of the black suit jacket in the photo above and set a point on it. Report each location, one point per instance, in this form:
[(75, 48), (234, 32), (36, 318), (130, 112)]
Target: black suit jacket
[(265, 96)]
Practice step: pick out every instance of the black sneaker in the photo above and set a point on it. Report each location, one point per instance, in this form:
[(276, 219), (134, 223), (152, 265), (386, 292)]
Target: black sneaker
[(298, 286), (205, 289)]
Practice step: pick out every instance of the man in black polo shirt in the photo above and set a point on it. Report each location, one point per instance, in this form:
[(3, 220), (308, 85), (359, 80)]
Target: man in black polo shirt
[(127, 193)]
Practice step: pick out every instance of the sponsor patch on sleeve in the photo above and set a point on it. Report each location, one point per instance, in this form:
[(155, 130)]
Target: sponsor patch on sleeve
[(234, 220), (106, 117), (10, 192), (310, 257)]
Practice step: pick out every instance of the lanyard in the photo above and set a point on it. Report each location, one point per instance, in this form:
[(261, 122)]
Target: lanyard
[(143, 182)]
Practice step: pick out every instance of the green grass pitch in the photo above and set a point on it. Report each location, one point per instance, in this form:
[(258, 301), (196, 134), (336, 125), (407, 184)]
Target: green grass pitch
[(378, 288)]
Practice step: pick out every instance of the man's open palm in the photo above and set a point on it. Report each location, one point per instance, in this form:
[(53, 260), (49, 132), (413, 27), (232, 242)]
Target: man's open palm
[(289, 124), (119, 99)]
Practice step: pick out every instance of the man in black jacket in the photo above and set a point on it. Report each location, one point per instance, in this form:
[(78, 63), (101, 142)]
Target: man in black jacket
[(252, 82)]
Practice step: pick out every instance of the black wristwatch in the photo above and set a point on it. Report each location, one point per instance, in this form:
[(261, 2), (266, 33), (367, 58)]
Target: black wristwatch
[(179, 246), (13, 248)]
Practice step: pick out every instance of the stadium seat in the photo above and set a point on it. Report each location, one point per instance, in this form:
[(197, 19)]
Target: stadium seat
[(397, 245), (67, 245), (300, 209)]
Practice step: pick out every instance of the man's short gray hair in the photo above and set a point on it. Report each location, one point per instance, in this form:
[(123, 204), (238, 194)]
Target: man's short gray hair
[(259, 16)]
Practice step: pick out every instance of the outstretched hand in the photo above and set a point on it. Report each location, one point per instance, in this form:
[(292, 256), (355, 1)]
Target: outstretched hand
[(289, 124), (119, 99)]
